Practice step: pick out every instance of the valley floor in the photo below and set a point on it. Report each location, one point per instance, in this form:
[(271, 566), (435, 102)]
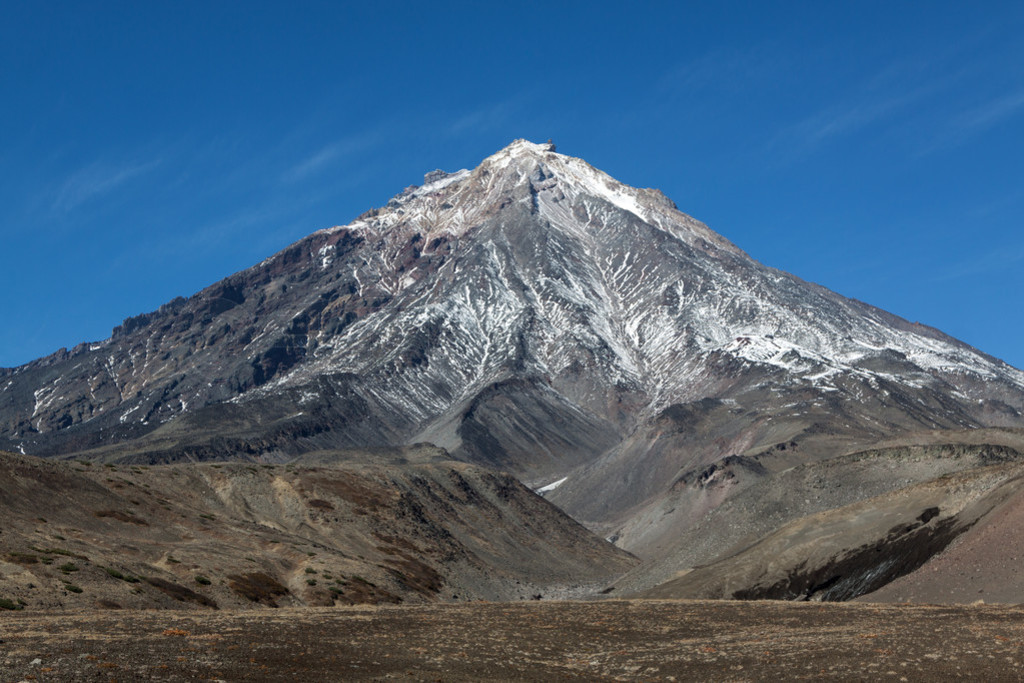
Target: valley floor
[(609, 640)]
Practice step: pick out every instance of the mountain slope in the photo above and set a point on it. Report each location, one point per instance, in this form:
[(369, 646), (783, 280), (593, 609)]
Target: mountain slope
[(836, 529), (233, 535), (533, 315)]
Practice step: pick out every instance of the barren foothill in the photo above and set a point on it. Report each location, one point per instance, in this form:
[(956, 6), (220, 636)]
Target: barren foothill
[(608, 640)]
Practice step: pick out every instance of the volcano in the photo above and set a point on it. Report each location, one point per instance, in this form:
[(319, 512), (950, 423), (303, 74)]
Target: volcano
[(533, 315)]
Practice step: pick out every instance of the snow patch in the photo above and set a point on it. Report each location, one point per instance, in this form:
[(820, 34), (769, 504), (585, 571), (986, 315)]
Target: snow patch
[(552, 486)]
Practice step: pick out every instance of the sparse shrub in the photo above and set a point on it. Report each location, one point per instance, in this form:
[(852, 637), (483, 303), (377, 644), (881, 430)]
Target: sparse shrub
[(362, 592), (69, 567), (179, 592), (206, 516), (310, 582), (118, 575), (258, 587), (415, 575), (121, 517), (22, 558), (9, 604), (60, 551), (72, 588), (46, 560), (202, 580), (310, 570)]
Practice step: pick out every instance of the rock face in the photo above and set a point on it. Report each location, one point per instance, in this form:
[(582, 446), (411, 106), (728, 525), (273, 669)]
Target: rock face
[(533, 315)]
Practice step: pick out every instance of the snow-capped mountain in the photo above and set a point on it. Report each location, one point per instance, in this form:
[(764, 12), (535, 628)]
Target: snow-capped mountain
[(532, 314)]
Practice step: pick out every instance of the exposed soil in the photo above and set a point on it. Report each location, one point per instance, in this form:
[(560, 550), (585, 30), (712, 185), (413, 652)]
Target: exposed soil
[(610, 640)]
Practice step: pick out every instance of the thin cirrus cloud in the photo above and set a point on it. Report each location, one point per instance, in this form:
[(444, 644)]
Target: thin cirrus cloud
[(898, 89), (96, 180), (489, 117), (846, 119), (484, 118), (991, 113), (322, 159), (984, 265), (313, 164), (960, 128), (726, 69)]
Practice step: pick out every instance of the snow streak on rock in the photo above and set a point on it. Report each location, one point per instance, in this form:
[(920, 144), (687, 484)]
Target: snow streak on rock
[(532, 313)]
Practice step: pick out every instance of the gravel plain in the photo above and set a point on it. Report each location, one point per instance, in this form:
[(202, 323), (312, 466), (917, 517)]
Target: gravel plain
[(535, 641)]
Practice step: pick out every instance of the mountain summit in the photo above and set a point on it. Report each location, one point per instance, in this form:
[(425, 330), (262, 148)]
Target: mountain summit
[(532, 314)]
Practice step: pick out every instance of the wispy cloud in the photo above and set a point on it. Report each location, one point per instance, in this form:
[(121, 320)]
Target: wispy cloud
[(958, 129), (725, 68), (992, 112), (322, 158), (486, 118), (898, 93), (311, 165), (847, 118), (993, 261), (97, 179)]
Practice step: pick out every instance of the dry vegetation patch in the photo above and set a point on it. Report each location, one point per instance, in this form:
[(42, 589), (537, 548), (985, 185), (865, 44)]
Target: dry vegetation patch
[(179, 592), (121, 517), (258, 587)]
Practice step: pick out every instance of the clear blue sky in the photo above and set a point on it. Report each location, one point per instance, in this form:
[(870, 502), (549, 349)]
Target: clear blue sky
[(148, 149)]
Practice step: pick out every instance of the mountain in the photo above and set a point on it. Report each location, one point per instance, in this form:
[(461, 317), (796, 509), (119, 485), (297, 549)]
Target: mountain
[(532, 315)]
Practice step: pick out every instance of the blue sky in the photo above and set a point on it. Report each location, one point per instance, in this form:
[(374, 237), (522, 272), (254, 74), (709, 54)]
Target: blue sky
[(148, 149)]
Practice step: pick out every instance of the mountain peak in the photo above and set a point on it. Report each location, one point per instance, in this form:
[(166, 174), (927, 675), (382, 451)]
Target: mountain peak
[(519, 154), (522, 146)]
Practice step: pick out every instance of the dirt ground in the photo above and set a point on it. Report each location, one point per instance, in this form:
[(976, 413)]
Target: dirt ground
[(611, 640)]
